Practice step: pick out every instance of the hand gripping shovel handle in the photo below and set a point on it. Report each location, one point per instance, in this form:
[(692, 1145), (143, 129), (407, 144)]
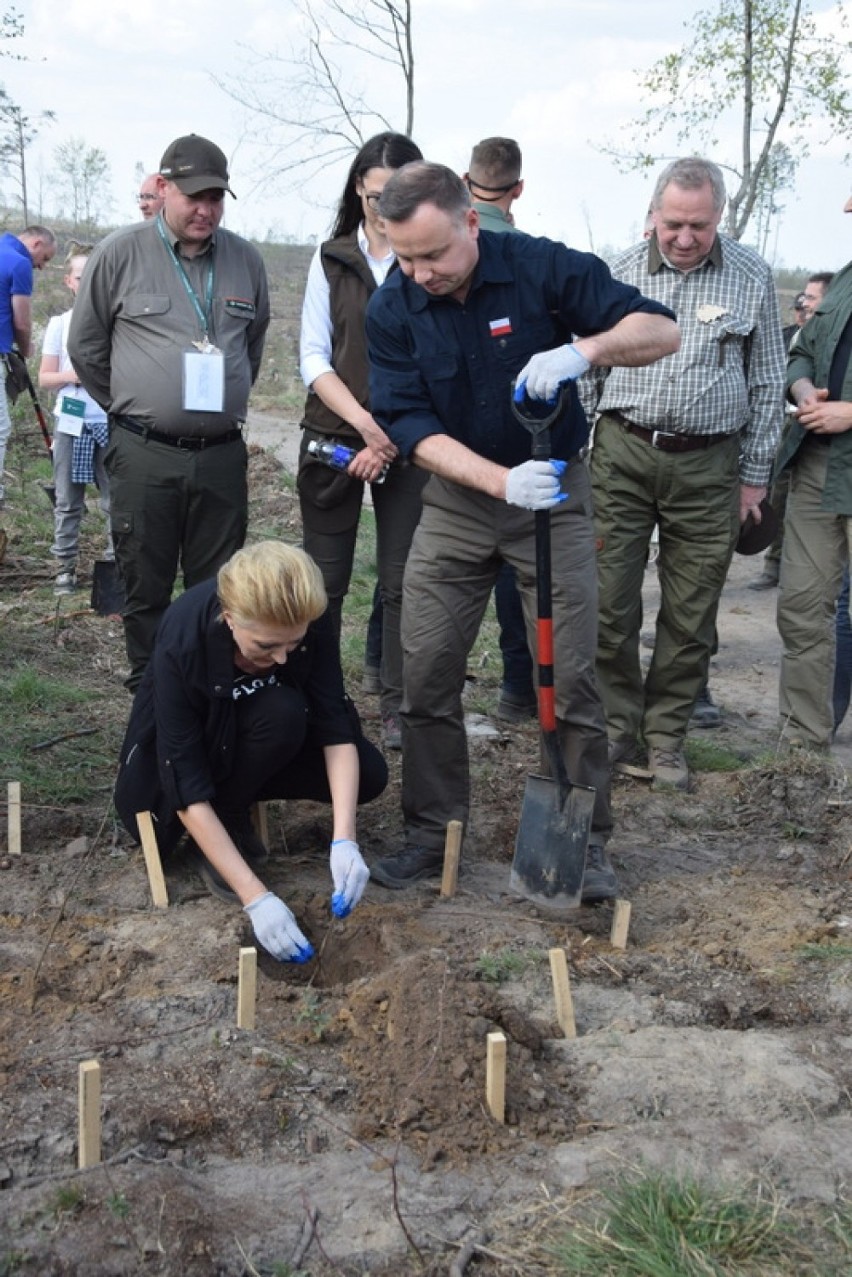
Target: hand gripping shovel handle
[(539, 428)]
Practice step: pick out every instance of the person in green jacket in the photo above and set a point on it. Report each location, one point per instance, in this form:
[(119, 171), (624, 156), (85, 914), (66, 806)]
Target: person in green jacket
[(818, 452)]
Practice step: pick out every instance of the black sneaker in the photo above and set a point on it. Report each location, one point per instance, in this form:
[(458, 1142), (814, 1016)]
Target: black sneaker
[(599, 880), (412, 864)]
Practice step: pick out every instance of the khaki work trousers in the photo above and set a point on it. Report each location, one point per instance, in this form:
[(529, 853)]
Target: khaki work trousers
[(817, 547), (693, 497), (461, 540)]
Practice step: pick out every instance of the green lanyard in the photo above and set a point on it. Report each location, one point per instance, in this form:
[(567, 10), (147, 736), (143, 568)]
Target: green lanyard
[(204, 315)]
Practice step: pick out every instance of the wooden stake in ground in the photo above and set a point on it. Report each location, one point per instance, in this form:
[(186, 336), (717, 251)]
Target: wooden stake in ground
[(247, 988), (495, 1076), (13, 822), (452, 851), (260, 820), (89, 1150), (153, 864), (620, 924), (562, 992)]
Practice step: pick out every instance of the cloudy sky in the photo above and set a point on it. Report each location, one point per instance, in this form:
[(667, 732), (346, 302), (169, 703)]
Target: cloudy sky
[(128, 76)]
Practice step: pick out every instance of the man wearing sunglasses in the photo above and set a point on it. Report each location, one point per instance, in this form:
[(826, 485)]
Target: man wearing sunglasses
[(167, 335)]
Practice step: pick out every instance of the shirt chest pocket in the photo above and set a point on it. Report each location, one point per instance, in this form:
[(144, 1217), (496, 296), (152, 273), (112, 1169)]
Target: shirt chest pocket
[(143, 305)]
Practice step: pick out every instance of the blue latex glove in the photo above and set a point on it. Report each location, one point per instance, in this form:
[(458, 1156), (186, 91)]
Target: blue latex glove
[(277, 929), (535, 485), (542, 376), (349, 874)]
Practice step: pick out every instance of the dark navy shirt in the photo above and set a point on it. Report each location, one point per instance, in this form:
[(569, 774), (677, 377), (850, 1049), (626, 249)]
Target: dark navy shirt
[(439, 366)]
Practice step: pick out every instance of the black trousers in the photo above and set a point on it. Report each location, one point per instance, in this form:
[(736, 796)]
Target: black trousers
[(273, 758)]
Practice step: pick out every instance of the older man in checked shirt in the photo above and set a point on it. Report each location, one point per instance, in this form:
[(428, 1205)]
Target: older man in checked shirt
[(685, 444)]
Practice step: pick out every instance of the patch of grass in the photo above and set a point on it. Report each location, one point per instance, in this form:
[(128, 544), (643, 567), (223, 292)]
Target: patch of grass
[(793, 832), (67, 1199), (830, 951), (27, 691), (12, 1262), (497, 968), (40, 709), (707, 756), (659, 1226)]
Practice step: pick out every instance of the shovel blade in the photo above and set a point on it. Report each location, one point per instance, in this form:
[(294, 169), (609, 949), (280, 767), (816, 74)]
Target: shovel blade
[(107, 589), (551, 844)]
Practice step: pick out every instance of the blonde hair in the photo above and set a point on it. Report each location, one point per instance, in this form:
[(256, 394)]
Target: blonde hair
[(271, 583), (77, 250)]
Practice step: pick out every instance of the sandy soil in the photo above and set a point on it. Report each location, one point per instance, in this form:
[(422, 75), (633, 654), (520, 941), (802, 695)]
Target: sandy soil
[(349, 1130)]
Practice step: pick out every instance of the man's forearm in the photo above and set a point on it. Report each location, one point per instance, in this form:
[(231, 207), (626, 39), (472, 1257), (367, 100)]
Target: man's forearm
[(452, 460), (636, 340), (22, 325)]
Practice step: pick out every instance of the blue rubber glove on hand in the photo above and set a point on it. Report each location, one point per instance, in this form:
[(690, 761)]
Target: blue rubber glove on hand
[(349, 874), (277, 929), (535, 485), (542, 376)]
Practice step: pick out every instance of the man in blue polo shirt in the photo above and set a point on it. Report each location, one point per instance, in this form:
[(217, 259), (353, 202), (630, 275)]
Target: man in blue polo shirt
[(465, 315), (19, 255)]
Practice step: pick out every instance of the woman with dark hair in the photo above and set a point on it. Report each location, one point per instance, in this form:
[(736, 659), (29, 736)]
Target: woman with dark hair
[(344, 273)]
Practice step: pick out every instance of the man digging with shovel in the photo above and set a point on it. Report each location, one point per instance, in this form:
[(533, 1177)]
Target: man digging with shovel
[(466, 315)]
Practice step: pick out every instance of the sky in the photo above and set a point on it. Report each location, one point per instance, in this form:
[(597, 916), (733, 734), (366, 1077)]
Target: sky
[(560, 76)]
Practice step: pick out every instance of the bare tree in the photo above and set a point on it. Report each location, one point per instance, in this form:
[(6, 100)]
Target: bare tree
[(17, 131), (83, 173), (313, 101), (17, 134), (762, 62)]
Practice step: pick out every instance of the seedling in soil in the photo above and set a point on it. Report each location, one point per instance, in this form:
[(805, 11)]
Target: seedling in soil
[(119, 1205), (67, 1200), (311, 1014), (497, 968)]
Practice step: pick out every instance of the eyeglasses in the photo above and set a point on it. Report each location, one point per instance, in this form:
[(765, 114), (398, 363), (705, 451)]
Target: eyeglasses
[(373, 200), (146, 199)]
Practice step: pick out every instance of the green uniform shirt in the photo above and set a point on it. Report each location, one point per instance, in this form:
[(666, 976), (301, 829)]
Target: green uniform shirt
[(134, 320)]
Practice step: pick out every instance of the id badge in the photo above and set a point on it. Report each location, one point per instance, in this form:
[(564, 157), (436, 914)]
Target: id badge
[(71, 416), (204, 380)]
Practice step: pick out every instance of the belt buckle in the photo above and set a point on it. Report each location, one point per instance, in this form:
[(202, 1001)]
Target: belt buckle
[(190, 443), (657, 437)]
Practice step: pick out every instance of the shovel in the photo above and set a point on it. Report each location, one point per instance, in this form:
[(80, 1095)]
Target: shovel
[(556, 817), (107, 588)]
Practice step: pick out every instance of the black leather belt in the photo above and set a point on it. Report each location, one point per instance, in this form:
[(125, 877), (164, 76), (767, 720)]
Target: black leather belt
[(190, 443), (665, 441)]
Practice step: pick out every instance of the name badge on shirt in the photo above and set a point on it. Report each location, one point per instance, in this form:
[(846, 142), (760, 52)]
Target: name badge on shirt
[(71, 415), (204, 380)]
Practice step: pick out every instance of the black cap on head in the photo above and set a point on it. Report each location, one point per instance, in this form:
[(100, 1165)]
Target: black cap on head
[(195, 164)]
